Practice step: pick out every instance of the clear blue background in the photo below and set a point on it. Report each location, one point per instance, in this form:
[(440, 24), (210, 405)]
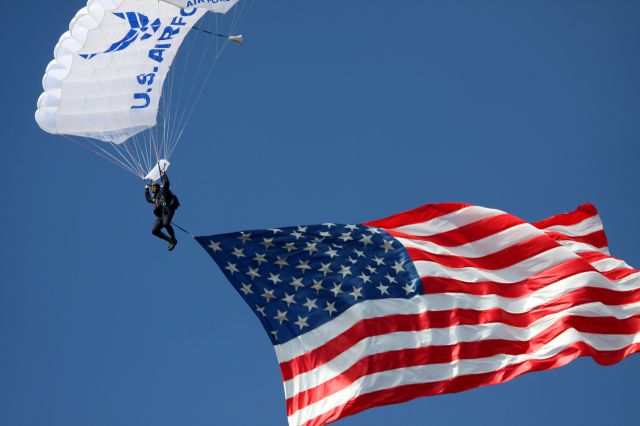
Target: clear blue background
[(332, 111)]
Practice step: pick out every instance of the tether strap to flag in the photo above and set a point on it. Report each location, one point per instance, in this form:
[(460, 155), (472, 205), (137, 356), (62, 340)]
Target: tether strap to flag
[(209, 32), (183, 230)]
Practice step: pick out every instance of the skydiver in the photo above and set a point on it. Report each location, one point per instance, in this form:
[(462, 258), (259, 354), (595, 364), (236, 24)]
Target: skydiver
[(165, 204)]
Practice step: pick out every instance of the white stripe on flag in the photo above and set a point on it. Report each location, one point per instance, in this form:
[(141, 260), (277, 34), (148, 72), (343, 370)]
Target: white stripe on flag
[(449, 221), (439, 372)]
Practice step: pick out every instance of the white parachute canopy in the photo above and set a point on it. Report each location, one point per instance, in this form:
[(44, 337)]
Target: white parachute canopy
[(107, 76), (218, 6)]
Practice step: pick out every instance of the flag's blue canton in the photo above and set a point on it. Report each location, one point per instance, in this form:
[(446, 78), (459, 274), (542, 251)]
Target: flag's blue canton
[(299, 278)]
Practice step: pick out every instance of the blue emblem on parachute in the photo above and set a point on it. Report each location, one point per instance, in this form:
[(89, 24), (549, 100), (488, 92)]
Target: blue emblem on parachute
[(140, 30)]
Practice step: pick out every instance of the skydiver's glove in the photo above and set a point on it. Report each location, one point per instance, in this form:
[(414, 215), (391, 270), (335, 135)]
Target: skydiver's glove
[(146, 187)]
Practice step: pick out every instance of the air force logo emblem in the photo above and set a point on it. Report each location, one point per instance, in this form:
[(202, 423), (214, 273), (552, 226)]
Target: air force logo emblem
[(141, 29)]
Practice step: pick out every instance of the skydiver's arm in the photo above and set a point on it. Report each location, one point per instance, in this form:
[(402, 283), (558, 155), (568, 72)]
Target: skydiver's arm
[(165, 180), (147, 196)]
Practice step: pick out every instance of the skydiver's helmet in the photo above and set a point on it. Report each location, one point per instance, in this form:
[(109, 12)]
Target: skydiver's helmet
[(155, 187)]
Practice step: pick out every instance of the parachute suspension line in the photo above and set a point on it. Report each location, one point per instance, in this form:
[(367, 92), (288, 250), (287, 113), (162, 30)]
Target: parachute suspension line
[(203, 75), (130, 160), (106, 155), (183, 118), (148, 152), (134, 158), (170, 115), (135, 143), (152, 141), (201, 91), (167, 114), (164, 116), (124, 163), (166, 101), (238, 17), (138, 152), (145, 154), (162, 132), (125, 159), (157, 133), (194, 38), (155, 150), (130, 157), (138, 142), (144, 142)]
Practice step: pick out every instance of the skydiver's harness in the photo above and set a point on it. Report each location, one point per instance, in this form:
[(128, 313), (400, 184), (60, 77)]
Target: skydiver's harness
[(173, 203)]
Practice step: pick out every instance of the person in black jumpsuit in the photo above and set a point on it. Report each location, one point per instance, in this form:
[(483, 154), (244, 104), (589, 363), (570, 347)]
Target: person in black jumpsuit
[(165, 204)]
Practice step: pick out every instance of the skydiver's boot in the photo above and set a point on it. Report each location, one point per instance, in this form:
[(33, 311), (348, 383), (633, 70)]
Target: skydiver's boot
[(172, 244)]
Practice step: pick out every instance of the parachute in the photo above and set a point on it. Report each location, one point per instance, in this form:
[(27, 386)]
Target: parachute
[(105, 84)]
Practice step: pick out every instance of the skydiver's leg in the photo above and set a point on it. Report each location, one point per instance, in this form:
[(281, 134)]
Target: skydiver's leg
[(157, 230), (166, 222)]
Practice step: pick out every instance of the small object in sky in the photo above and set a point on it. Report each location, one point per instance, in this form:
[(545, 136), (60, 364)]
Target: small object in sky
[(237, 39)]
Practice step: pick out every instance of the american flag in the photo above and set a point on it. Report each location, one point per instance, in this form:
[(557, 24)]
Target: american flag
[(440, 299)]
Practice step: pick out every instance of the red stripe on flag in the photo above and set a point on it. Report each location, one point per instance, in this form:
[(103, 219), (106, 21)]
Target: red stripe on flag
[(597, 239), (408, 392), (619, 273), (595, 256), (468, 233), (421, 214), (583, 212)]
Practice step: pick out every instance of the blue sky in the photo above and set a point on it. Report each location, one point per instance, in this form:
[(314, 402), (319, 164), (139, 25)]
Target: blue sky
[(332, 111)]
